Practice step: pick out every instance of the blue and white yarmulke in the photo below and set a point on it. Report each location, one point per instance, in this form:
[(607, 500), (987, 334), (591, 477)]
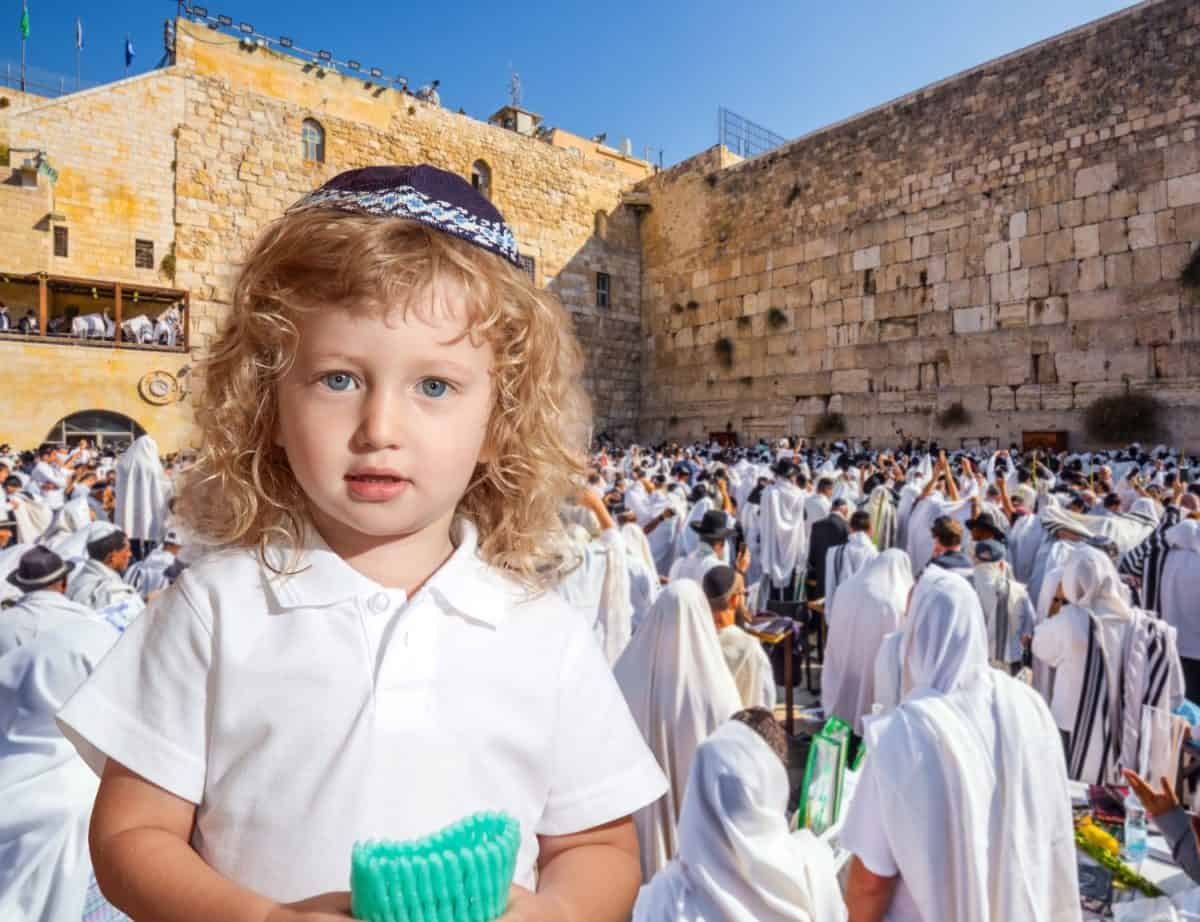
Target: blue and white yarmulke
[(436, 198)]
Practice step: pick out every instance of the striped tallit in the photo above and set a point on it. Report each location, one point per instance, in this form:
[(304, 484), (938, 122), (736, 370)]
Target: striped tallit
[(1145, 563)]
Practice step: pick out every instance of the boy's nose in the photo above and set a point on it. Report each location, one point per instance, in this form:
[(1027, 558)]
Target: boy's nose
[(382, 422)]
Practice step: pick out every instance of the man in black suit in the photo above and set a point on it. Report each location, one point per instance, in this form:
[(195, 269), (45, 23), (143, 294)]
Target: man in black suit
[(828, 533)]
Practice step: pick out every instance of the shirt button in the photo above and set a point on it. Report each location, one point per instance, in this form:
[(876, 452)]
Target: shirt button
[(378, 603)]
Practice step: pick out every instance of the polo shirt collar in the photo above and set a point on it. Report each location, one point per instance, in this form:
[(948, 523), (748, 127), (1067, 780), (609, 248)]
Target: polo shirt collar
[(464, 584)]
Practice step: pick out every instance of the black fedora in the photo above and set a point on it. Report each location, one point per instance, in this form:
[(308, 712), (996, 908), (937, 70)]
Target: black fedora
[(987, 522), (39, 567), (713, 526)]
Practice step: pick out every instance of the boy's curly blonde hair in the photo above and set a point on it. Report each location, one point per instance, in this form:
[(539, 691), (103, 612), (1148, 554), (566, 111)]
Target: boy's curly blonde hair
[(241, 491)]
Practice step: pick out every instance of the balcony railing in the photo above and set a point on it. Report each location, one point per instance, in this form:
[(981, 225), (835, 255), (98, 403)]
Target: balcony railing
[(92, 312)]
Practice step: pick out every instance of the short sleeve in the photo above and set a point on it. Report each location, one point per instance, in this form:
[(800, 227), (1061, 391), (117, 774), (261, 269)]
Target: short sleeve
[(602, 769), (863, 833), (145, 705)]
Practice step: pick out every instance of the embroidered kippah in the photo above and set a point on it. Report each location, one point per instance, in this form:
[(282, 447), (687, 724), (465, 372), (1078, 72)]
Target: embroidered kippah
[(461, 873), (436, 198)]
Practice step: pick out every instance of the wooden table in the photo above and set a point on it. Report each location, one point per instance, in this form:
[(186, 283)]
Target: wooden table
[(771, 633)]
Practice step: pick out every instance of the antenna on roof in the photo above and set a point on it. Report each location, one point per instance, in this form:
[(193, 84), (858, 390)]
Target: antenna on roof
[(514, 87)]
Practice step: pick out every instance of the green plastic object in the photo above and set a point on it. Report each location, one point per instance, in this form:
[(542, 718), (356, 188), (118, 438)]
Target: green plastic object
[(459, 874), (821, 792)]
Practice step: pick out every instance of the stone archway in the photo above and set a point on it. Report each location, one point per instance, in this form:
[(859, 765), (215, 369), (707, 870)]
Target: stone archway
[(103, 428)]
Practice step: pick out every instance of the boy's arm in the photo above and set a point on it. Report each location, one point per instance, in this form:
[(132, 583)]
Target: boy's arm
[(589, 876), (139, 839)]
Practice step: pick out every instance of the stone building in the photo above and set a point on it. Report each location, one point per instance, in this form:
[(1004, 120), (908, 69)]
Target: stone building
[(1009, 240), (164, 179), (980, 259)]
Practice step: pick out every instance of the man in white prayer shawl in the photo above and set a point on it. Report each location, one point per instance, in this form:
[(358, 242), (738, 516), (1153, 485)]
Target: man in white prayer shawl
[(725, 589), (644, 585), (1125, 660), (871, 607), (679, 690), (142, 493), (670, 510), (713, 532), (783, 536), (737, 862), (843, 561), (1006, 606), (818, 505), (46, 788), (41, 575), (962, 812), (1179, 596), (159, 568), (597, 585), (98, 584)]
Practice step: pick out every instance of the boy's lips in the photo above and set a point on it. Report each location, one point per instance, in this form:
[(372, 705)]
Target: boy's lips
[(375, 484)]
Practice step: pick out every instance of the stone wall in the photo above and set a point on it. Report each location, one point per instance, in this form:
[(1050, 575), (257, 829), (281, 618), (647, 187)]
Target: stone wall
[(1009, 239), (241, 164), (114, 150)]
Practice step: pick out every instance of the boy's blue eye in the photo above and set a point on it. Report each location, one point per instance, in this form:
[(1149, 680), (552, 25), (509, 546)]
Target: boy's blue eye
[(338, 381), (434, 387)]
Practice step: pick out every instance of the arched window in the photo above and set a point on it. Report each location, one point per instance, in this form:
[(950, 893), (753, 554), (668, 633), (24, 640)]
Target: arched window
[(481, 178), (312, 138), (103, 427), (601, 229)]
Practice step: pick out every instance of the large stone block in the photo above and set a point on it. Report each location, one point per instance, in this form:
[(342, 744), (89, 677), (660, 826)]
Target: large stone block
[(854, 381), (974, 319), (1099, 178)]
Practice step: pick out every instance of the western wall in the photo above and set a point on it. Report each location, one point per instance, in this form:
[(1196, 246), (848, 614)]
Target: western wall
[(1009, 240)]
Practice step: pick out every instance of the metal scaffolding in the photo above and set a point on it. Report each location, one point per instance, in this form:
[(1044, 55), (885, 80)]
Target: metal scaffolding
[(744, 137)]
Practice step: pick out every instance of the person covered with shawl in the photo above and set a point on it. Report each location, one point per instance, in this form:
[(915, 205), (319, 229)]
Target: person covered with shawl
[(142, 494), (783, 535), (962, 810), (868, 606), (1111, 660), (725, 589), (679, 690), (1006, 606), (1179, 596), (737, 862)]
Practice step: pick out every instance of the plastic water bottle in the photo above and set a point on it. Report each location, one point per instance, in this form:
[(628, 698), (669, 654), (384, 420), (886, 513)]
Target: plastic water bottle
[(1135, 847)]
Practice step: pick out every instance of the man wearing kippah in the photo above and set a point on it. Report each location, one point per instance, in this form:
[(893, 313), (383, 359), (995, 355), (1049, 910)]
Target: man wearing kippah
[(1005, 603), (725, 589)]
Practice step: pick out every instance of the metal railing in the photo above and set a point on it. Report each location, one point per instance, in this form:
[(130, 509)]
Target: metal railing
[(40, 82), (744, 137)]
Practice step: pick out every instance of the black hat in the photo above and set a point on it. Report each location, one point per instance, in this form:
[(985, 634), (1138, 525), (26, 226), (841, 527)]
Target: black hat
[(39, 567), (439, 199), (714, 526), (784, 467), (989, 551), (987, 521)]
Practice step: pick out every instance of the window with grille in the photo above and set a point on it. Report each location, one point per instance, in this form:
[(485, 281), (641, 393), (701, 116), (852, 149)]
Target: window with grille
[(312, 138), (528, 266), (603, 289), (143, 254), (60, 242)]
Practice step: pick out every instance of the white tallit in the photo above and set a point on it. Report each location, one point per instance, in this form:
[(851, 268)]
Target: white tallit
[(643, 575), (142, 491), (966, 778), (598, 588), (783, 536), (749, 666), (679, 690), (868, 606), (737, 861), (47, 789)]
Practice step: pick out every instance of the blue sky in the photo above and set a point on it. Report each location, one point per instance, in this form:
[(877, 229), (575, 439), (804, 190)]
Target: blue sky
[(654, 72)]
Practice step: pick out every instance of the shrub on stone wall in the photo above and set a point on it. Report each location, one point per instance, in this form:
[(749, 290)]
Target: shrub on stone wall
[(724, 349), (1191, 272), (954, 415), (776, 318), (828, 424), (1124, 418)]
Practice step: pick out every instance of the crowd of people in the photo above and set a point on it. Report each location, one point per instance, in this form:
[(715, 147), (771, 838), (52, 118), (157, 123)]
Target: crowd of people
[(390, 589), (940, 579)]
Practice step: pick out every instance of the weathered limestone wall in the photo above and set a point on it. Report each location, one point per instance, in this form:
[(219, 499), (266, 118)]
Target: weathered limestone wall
[(241, 164), (40, 383), (114, 150), (1010, 239)]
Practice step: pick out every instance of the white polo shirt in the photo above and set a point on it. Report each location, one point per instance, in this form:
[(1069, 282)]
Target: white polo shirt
[(303, 713)]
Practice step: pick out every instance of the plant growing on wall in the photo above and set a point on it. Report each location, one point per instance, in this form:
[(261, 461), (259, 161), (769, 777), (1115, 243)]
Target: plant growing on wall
[(828, 424), (167, 265), (724, 349), (777, 319), (677, 308), (743, 322), (1123, 418), (1191, 272), (673, 421), (746, 380), (693, 305), (954, 415)]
